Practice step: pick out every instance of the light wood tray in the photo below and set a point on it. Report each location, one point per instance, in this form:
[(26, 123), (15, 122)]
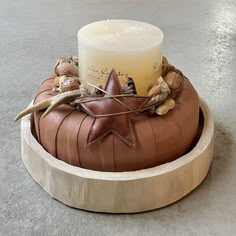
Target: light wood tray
[(119, 192)]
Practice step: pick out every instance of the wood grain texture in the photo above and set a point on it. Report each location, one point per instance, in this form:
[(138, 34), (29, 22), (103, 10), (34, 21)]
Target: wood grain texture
[(119, 192)]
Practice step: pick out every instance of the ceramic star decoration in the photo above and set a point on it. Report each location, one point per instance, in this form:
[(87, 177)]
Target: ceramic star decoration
[(121, 124)]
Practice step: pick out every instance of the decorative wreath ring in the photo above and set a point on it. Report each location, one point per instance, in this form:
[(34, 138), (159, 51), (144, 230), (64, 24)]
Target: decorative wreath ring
[(72, 90)]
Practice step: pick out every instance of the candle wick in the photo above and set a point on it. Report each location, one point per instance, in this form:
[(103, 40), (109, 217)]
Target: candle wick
[(108, 24), (115, 35)]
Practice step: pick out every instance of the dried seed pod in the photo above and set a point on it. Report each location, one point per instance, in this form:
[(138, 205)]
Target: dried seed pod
[(155, 90), (76, 104), (174, 81), (166, 68), (158, 99), (96, 91), (164, 60), (66, 69), (56, 81), (152, 111), (127, 90), (67, 66), (150, 86), (165, 91), (63, 60), (129, 87), (68, 84), (131, 84), (83, 90), (164, 86), (166, 106), (74, 60)]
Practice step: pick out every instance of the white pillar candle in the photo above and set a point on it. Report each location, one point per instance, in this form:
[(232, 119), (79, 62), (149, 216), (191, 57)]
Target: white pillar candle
[(132, 48)]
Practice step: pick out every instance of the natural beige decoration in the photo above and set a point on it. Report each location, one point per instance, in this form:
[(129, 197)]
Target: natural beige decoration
[(67, 66), (67, 81), (119, 192), (163, 94), (154, 90), (174, 81), (166, 106)]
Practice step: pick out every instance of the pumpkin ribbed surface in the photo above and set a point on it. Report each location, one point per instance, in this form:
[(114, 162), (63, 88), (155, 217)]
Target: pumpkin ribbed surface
[(159, 139)]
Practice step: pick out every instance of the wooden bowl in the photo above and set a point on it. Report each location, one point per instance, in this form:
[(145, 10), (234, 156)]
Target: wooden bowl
[(120, 192)]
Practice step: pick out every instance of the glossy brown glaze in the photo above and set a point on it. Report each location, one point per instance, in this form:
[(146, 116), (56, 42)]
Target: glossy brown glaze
[(159, 139)]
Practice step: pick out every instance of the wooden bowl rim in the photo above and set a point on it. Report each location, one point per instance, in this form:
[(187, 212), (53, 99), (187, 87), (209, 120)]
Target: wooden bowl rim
[(202, 144)]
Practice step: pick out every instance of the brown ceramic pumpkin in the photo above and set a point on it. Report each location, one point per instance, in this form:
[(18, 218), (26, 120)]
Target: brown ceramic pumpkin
[(159, 139)]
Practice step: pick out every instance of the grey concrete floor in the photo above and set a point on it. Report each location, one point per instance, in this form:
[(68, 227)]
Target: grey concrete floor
[(200, 39)]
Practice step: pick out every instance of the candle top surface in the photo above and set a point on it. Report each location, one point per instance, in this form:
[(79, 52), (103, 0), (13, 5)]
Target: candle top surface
[(120, 35)]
